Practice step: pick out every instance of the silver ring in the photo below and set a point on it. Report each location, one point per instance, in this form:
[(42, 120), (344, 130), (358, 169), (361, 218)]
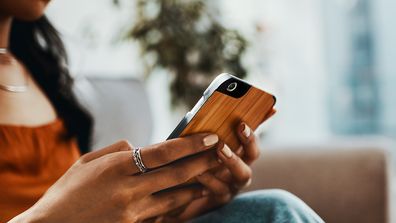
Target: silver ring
[(138, 160)]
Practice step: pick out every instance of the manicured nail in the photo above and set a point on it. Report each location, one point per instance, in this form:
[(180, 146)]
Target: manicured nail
[(226, 151), (246, 131), (210, 140)]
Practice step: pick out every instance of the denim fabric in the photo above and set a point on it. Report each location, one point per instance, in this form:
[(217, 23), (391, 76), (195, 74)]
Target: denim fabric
[(264, 206)]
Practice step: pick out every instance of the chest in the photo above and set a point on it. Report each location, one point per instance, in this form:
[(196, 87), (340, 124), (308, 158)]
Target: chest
[(30, 108)]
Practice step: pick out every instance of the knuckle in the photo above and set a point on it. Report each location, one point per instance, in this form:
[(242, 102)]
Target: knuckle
[(164, 154), (83, 159), (134, 189), (120, 200), (207, 179), (181, 174), (222, 190), (235, 161), (124, 144), (109, 165), (247, 175), (170, 203), (108, 162), (223, 199)]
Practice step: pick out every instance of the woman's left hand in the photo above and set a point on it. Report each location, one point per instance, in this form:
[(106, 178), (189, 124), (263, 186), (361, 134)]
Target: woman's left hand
[(226, 182)]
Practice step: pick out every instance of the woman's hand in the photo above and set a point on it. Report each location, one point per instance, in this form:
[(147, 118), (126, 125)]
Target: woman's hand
[(225, 182), (106, 185)]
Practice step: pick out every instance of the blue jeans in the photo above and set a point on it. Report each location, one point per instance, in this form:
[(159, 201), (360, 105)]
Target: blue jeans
[(264, 206)]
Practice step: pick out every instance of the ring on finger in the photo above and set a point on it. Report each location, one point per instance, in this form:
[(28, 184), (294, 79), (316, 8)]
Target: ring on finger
[(137, 158)]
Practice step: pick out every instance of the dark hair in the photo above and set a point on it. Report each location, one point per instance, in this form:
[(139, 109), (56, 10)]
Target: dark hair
[(39, 47)]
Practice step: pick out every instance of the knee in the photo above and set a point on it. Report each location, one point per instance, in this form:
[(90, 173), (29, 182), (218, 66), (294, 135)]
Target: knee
[(273, 199), (276, 197), (279, 204)]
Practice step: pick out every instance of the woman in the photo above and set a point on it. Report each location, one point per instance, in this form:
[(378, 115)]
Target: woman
[(43, 131)]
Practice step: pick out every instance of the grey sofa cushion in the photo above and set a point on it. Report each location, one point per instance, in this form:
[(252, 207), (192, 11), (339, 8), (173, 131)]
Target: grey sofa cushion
[(120, 108)]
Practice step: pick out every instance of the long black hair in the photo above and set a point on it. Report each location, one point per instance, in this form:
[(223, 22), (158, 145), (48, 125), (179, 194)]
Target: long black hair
[(39, 47)]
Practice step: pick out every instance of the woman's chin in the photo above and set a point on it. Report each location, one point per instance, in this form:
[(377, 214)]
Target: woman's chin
[(31, 17), (33, 12)]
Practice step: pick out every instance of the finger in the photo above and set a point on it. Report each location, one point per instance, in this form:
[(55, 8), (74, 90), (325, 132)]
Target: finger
[(248, 141), (159, 154), (213, 184), (177, 211), (177, 173), (240, 171), (162, 203), (174, 149), (224, 175), (116, 147)]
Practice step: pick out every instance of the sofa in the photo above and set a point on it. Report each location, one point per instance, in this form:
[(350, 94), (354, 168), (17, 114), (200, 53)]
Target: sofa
[(343, 182)]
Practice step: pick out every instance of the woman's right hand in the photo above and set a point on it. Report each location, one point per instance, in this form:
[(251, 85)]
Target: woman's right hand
[(106, 185)]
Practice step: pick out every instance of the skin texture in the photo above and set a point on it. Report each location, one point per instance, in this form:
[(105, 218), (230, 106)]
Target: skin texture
[(224, 183), (31, 108), (105, 185), (27, 10), (109, 179)]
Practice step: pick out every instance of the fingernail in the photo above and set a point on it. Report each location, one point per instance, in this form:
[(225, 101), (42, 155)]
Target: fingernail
[(220, 161), (226, 151), (210, 140), (205, 192), (239, 151), (246, 131), (248, 183)]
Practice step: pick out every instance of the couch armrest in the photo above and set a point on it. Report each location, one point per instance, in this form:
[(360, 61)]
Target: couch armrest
[(341, 185)]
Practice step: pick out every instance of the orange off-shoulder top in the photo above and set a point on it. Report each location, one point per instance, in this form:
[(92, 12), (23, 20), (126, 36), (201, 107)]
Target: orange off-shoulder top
[(31, 160)]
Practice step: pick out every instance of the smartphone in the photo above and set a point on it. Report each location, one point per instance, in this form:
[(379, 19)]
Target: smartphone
[(225, 103)]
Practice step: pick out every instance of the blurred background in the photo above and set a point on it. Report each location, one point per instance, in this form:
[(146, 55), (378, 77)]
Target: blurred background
[(329, 63)]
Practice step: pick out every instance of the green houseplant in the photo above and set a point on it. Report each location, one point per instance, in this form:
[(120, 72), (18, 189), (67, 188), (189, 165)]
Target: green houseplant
[(185, 38)]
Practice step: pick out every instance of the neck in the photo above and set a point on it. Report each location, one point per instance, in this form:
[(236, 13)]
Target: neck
[(5, 29)]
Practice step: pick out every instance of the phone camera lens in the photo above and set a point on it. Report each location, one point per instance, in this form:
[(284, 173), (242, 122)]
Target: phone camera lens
[(231, 87)]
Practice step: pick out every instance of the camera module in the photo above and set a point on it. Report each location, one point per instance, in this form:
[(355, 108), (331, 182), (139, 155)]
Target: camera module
[(231, 87)]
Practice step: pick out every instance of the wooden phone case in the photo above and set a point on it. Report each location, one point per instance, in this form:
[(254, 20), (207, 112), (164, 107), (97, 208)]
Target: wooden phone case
[(221, 114)]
